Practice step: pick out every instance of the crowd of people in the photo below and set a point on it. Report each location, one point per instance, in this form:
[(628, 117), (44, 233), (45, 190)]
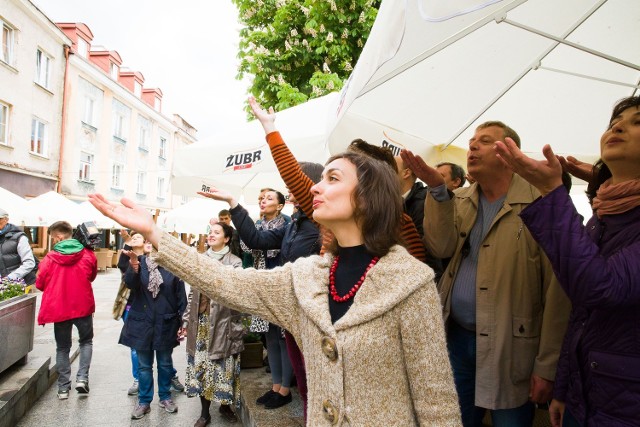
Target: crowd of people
[(393, 283)]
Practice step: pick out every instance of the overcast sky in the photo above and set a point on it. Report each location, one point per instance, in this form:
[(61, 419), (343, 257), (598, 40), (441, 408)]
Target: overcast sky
[(187, 48)]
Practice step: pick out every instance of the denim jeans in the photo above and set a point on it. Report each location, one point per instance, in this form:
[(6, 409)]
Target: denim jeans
[(145, 374), (281, 368), (62, 333), (134, 354), (462, 354)]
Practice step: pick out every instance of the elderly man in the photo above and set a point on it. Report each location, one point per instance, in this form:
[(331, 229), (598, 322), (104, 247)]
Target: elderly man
[(504, 310), (16, 256)]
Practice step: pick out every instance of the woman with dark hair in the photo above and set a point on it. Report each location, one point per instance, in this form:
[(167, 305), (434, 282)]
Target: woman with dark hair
[(214, 340), (598, 265), (371, 331)]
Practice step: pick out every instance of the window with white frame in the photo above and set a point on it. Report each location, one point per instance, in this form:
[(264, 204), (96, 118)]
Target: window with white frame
[(137, 89), (162, 190), (117, 174), (86, 161), (43, 68), (144, 134), (115, 71), (38, 137), (119, 126), (89, 107), (157, 104), (4, 124), (7, 43), (142, 183), (163, 148), (83, 47)]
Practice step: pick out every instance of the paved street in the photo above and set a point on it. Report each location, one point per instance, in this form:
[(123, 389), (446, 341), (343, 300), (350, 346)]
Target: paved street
[(110, 377)]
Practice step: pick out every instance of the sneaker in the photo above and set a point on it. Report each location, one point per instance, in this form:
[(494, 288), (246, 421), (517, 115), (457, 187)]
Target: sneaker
[(277, 401), (140, 411), (169, 406), (176, 385), (265, 397), (63, 393), (133, 390), (82, 386)]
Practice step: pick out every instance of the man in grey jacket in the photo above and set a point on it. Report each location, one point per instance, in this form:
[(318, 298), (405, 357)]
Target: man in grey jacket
[(16, 256)]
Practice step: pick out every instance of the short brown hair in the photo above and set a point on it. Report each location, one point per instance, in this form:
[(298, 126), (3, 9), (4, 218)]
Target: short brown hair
[(62, 227), (377, 203), (508, 132), (383, 154)]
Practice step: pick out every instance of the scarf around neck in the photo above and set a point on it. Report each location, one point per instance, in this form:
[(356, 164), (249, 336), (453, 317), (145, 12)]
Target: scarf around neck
[(612, 199), (218, 254), (259, 255), (155, 278)]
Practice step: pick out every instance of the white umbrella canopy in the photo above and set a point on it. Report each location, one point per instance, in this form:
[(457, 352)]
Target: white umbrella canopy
[(240, 161), (14, 205), (50, 207), (87, 212), (432, 70)]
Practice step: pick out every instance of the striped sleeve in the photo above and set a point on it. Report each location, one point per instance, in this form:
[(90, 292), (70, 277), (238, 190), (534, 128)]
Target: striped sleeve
[(296, 181), (411, 239)]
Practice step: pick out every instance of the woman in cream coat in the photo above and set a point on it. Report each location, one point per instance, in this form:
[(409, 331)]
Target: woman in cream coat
[(375, 350)]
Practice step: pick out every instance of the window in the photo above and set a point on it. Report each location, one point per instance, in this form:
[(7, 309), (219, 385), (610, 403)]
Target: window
[(157, 104), (116, 178), (89, 104), (83, 47), (4, 124), (38, 137), (142, 178), (137, 89), (7, 43), (115, 71), (43, 68), (86, 160), (163, 148), (118, 126), (162, 191), (145, 131)]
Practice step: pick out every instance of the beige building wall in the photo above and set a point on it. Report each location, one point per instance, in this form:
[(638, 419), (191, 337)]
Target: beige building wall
[(25, 95), (120, 136)]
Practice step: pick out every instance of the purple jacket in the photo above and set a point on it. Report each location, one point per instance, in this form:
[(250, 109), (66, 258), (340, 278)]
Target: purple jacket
[(598, 266)]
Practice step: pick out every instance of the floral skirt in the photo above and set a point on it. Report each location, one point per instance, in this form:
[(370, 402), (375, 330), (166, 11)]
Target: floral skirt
[(215, 380)]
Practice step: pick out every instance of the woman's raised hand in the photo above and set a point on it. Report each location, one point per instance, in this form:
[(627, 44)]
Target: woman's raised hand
[(545, 175), (266, 117), (128, 214), (421, 169), (575, 167), (221, 195)]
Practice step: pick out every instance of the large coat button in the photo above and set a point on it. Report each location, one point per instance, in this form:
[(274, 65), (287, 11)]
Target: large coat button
[(329, 348), (329, 411)]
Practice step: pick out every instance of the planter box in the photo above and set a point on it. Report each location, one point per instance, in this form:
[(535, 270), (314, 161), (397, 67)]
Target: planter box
[(17, 322), (251, 356)]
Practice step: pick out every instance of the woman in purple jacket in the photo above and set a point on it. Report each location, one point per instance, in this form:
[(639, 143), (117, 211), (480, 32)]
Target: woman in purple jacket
[(598, 376)]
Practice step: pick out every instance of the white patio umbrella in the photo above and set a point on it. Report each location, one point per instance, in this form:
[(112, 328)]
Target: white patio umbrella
[(432, 70), (86, 212), (50, 207), (240, 161), (14, 205)]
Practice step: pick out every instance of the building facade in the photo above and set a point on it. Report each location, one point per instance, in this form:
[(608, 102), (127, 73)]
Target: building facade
[(32, 72)]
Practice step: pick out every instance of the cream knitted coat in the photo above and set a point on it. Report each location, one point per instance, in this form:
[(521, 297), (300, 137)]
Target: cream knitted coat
[(384, 363)]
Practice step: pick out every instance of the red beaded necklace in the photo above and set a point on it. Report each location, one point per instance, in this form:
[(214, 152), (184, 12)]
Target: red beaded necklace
[(352, 291)]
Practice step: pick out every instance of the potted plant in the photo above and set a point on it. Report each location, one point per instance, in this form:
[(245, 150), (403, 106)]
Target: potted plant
[(252, 355), (17, 321)]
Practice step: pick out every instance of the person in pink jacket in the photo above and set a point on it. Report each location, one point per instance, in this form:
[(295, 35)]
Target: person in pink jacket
[(64, 277)]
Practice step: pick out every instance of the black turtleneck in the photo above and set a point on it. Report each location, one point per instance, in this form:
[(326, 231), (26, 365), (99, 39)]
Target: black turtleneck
[(352, 264)]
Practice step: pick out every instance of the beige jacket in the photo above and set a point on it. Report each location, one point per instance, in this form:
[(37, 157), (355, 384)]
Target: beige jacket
[(521, 311), (226, 331), (383, 364)]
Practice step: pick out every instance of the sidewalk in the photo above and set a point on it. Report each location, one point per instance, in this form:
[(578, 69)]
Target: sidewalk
[(110, 377)]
